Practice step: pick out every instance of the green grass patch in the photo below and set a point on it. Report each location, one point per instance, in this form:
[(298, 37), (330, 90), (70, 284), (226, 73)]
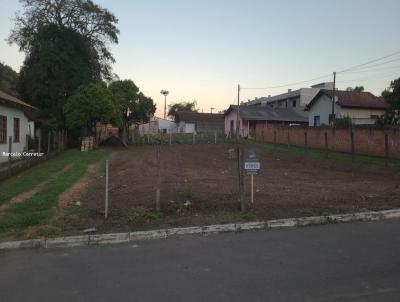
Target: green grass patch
[(40, 208), (328, 155)]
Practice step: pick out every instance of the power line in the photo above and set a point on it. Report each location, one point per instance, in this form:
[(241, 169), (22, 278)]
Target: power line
[(391, 74), (369, 62), (286, 85), (366, 68), (373, 69), (355, 68)]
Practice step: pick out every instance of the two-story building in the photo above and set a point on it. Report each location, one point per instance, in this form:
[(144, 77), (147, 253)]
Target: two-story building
[(363, 108)]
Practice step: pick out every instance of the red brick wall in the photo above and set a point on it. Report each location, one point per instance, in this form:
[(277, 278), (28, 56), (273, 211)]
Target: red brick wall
[(366, 141)]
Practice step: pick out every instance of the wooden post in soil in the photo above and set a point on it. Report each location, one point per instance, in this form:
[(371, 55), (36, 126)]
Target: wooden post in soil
[(326, 144), (106, 198), (215, 137), (194, 138), (386, 149), (352, 144), (170, 138), (158, 189), (48, 142), (9, 153), (39, 147), (252, 189)]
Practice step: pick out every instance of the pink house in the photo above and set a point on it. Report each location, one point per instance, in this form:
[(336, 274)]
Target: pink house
[(244, 125)]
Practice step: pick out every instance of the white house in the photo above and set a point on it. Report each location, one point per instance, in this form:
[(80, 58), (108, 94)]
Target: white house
[(363, 108), (158, 125), (16, 122)]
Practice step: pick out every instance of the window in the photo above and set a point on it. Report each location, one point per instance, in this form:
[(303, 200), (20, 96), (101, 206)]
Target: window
[(294, 104), (16, 130), (3, 129), (316, 121)]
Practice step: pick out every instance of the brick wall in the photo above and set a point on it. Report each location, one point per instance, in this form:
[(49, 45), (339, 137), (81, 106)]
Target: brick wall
[(368, 141)]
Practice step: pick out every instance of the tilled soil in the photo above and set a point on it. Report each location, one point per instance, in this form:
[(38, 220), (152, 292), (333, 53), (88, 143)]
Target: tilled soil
[(287, 186)]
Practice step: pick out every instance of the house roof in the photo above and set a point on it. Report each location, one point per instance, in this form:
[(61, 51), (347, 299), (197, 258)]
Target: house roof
[(267, 113), (11, 101), (352, 99), (194, 117)]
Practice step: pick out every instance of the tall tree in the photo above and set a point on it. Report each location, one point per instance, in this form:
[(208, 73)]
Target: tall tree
[(8, 79), (143, 109), (356, 88), (90, 104), (392, 96), (133, 105), (59, 61), (182, 106), (95, 24)]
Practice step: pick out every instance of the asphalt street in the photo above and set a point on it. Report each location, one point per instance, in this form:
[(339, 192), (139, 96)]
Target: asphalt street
[(338, 262)]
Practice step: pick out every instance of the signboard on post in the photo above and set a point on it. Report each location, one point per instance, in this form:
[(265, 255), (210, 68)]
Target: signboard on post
[(252, 166), (252, 163)]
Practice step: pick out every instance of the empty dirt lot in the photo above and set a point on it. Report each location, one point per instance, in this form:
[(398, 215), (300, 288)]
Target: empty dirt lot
[(288, 186)]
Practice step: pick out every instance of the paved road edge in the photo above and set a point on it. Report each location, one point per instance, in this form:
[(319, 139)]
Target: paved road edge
[(113, 238)]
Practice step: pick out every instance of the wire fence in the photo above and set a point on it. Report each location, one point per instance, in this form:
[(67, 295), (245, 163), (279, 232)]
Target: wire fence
[(179, 138)]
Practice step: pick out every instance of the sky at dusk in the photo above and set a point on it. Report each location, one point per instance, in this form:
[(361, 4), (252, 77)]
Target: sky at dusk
[(201, 50)]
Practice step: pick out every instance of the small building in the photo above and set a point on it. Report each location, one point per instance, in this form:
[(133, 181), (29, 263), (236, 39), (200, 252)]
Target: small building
[(158, 125), (297, 99), (363, 108), (250, 116), (16, 121), (196, 122)]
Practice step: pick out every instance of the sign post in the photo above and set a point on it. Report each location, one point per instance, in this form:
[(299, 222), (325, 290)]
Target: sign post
[(252, 166)]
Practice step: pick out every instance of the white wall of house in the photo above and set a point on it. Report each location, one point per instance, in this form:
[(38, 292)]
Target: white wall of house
[(166, 126), (184, 127), (359, 116), (322, 108), (20, 146)]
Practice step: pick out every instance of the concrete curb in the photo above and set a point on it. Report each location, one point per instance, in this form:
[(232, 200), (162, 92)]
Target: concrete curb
[(113, 238)]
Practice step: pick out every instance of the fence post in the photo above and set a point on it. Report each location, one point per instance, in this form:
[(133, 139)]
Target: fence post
[(386, 148), (158, 204), (48, 142), (194, 138), (326, 144), (215, 137), (39, 147), (288, 138), (170, 138), (275, 136), (9, 153), (106, 199), (352, 144), (305, 140), (54, 141)]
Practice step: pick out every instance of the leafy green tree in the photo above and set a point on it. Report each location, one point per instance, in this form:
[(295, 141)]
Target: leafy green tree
[(95, 24), (356, 89), (133, 106), (90, 104), (8, 79), (182, 106), (392, 96), (59, 61), (143, 109)]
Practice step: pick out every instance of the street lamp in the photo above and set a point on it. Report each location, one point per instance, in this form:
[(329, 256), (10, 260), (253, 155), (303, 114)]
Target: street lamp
[(165, 93)]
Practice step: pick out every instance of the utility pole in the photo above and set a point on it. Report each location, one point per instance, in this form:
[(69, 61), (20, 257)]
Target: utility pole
[(239, 155), (332, 121), (165, 93), (237, 115)]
